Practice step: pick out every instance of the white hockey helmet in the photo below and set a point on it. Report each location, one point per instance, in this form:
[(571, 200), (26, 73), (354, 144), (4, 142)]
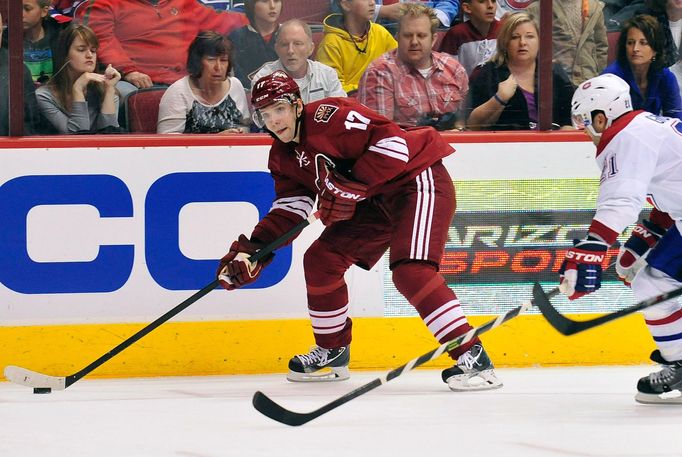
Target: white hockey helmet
[(607, 93)]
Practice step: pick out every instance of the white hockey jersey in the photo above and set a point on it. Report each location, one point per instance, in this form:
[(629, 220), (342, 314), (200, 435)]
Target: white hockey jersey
[(640, 157)]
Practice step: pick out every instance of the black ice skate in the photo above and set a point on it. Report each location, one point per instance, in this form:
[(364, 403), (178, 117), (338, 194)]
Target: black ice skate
[(473, 371), (664, 386), (320, 365)]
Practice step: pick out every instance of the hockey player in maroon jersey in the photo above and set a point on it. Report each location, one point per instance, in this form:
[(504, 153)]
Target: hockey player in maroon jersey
[(378, 186)]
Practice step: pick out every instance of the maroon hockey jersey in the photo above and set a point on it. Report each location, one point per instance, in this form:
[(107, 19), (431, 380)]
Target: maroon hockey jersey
[(364, 146)]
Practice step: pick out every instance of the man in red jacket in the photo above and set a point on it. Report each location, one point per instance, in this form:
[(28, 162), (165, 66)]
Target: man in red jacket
[(378, 187), (147, 40)]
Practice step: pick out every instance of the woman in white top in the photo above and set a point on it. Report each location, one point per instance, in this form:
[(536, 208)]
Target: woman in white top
[(207, 100)]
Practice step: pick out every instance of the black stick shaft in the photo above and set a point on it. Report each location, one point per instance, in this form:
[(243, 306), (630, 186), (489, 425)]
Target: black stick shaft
[(567, 326), (269, 408), (186, 303)]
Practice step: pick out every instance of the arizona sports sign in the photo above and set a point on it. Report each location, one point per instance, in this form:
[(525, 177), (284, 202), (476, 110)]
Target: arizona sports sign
[(513, 246)]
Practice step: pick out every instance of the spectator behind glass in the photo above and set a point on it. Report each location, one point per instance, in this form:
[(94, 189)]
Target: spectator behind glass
[(668, 13), (76, 99), (31, 112), (387, 12), (41, 32), (351, 41), (294, 46), (413, 85), (578, 37), (640, 61), (616, 12), (473, 42), (63, 10), (255, 43), (503, 91), (224, 5), (147, 40), (507, 7), (208, 100)]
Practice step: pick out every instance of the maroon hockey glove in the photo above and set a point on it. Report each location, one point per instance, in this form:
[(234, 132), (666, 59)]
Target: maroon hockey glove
[(339, 196), (632, 254), (235, 270)]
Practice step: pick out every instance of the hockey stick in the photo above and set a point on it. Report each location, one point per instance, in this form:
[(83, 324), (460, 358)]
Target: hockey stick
[(566, 326), (45, 383), (276, 412)]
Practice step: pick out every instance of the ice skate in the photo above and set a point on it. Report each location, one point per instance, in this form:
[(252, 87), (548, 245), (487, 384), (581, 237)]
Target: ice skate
[(473, 371), (664, 386), (320, 364)]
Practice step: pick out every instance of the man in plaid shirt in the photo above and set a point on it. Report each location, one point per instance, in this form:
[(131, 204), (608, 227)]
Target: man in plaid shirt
[(413, 85)]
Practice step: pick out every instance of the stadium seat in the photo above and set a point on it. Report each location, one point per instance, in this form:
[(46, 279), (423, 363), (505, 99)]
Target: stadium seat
[(142, 109), (612, 38), (310, 11), (318, 34), (439, 37)]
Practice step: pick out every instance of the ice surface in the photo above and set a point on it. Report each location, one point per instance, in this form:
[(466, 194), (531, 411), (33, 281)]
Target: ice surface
[(539, 412)]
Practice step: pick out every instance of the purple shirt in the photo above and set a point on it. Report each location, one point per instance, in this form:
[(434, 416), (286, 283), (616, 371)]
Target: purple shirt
[(532, 109)]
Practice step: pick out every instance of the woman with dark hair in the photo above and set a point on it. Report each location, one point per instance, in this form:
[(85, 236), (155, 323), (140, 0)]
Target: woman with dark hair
[(207, 100), (255, 43), (76, 99), (640, 61), (503, 92)]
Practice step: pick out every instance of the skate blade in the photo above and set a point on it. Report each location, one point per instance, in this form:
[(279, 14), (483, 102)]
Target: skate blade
[(329, 374), (668, 398), (484, 380)]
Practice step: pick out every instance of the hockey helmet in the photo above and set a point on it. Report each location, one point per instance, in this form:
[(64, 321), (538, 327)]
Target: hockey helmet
[(275, 87), (607, 93)]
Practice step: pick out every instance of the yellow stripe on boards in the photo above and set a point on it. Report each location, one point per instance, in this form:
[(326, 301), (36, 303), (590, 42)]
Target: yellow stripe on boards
[(248, 347)]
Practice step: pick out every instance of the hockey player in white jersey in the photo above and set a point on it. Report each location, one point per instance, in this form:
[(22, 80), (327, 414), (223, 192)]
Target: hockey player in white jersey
[(640, 157)]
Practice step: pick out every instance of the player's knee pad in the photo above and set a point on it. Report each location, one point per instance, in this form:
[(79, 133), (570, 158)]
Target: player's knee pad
[(420, 283), (321, 260), (324, 269), (650, 282)]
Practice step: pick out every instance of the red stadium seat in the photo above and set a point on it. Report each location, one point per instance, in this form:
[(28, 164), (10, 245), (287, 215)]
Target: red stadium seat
[(439, 37), (317, 38), (142, 109), (612, 38), (310, 11)]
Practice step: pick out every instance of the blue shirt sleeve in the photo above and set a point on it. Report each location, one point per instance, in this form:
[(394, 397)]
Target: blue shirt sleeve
[(670, 95)]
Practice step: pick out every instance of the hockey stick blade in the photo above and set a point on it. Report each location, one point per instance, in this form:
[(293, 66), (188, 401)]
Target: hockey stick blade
[(29, 378), (274, 411), (567, 326), (24, 377)]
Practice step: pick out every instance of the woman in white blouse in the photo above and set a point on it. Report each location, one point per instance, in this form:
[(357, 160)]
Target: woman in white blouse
[(208, 100)]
